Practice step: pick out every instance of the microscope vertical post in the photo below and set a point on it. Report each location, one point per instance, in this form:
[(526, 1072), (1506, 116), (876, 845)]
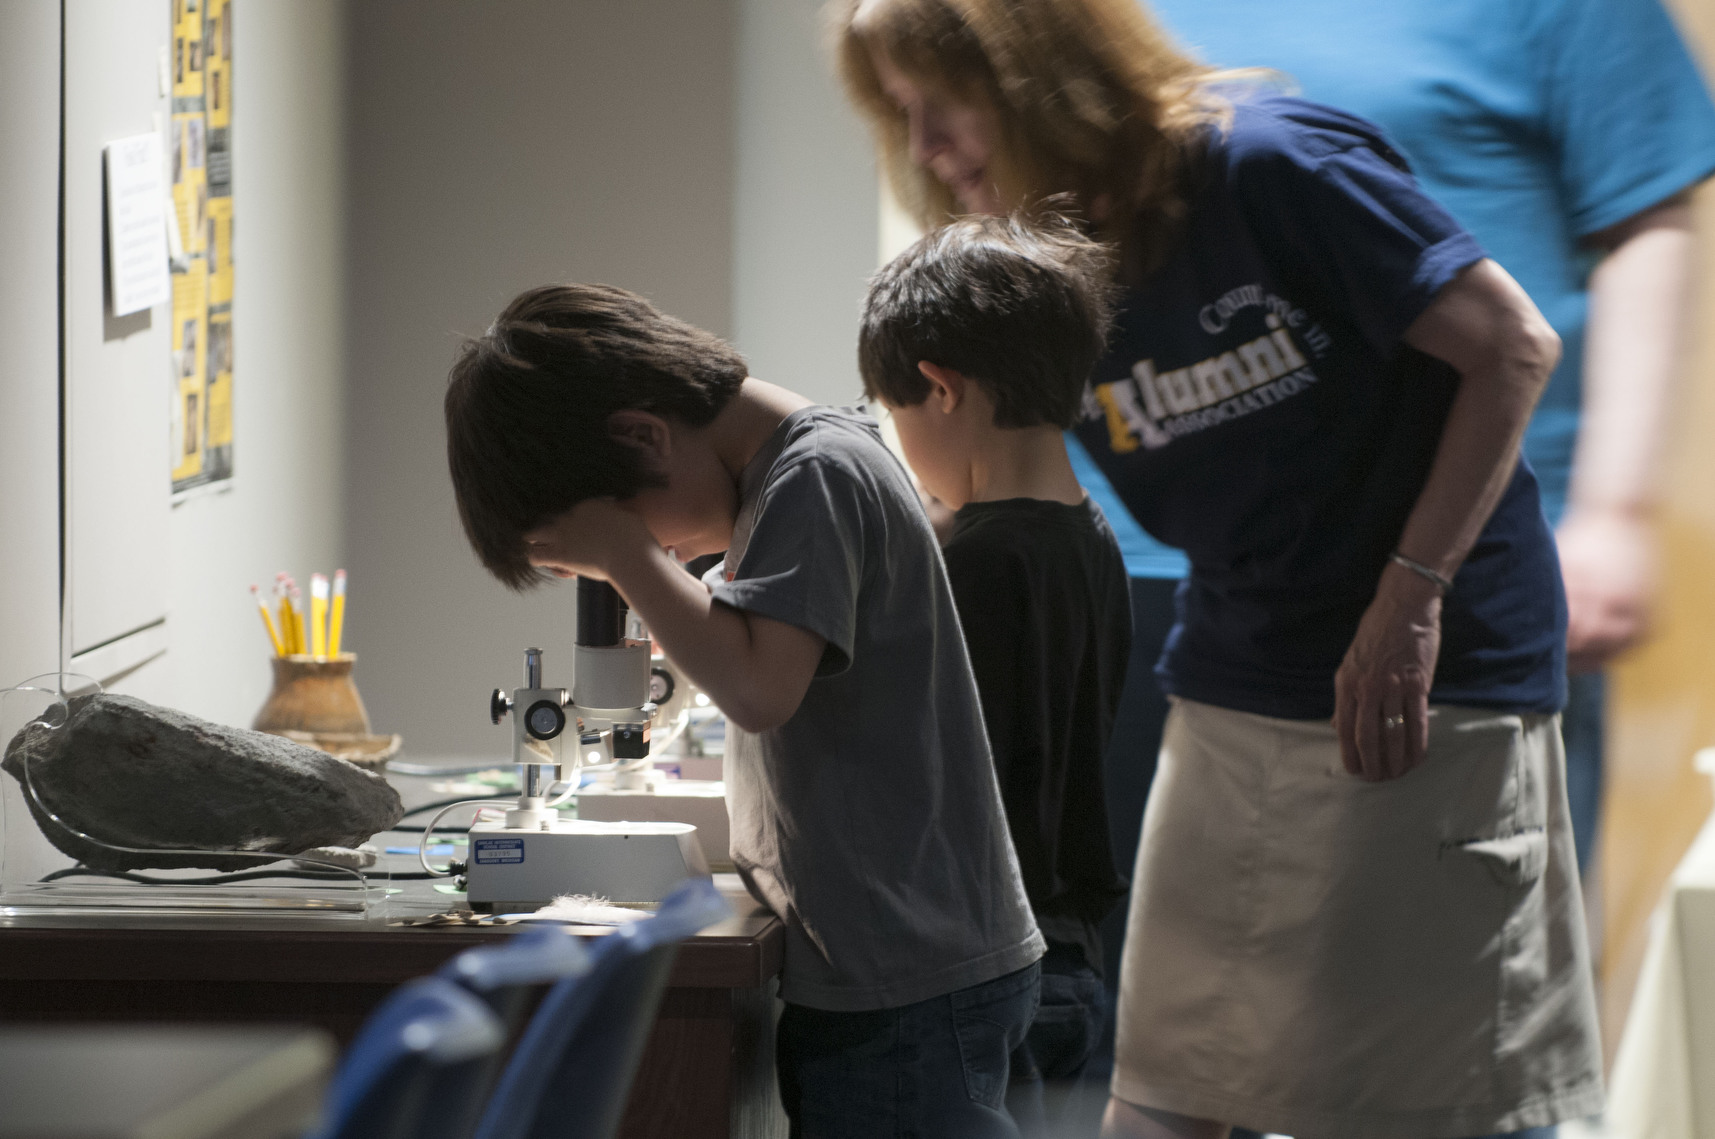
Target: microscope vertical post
[(538, 721), (532, 774)]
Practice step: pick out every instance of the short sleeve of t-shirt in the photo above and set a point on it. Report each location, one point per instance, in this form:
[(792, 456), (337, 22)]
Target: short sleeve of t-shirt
[(1333, 206), (804, 563), (1623, 101)]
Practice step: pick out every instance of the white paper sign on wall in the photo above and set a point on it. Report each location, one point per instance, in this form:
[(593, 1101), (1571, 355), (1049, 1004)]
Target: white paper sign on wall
[(136, 233)]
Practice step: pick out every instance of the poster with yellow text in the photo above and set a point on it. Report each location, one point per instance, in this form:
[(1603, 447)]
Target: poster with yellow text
[(201, 170), (190, 364)]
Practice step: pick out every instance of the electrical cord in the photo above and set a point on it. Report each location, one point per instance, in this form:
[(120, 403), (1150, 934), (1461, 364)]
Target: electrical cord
[(237, 876), (423, 843), (442, 807), (438, 804), (231, 878)]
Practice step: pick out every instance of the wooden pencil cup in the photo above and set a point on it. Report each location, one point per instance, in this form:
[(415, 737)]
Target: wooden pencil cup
[(313, 695)]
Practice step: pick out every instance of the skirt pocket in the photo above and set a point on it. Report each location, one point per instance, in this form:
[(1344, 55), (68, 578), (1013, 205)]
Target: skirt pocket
[(1515, 860)]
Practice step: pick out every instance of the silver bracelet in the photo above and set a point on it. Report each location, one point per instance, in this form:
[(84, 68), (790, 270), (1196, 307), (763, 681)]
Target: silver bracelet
[(1442, 585)]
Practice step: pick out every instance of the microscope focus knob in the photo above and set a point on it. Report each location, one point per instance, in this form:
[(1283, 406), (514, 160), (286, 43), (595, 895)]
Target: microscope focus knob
[(498, 705), (545, 720)]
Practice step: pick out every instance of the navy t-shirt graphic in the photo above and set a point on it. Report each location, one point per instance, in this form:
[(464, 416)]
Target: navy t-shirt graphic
[(1252, 376), (1258, 409)]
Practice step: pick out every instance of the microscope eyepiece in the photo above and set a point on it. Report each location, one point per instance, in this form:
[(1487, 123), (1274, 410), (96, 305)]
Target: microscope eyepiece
[(601, 614)]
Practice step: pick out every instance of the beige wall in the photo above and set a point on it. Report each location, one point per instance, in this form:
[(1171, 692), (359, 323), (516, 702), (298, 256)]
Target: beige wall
[(285, 508), (494, 147), (804, 207), (1663, 702), (29, 323)]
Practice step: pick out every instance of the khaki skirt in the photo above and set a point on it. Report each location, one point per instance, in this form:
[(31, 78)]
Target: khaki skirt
[(1314, 955)]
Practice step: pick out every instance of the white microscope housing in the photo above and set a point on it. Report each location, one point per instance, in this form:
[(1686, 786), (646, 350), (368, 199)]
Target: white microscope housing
[(533, 855)]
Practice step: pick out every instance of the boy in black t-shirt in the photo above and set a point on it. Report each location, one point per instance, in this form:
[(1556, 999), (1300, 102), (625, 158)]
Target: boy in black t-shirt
[(978, 339)]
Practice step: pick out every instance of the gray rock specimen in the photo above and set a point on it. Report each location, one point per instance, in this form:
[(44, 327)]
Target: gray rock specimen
[(132, 774)]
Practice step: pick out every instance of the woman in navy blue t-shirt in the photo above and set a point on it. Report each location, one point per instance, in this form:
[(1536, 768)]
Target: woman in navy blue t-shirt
[(1356, 906)]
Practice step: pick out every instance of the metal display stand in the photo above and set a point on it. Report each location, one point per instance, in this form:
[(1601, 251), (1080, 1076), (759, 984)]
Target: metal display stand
[(36, 878)]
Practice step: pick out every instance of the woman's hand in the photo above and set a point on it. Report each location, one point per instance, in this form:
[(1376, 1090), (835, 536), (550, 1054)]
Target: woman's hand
[(1381, 691)]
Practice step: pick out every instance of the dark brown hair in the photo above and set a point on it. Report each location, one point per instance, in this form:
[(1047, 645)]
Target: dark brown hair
[(528, 404), (1021, 306)]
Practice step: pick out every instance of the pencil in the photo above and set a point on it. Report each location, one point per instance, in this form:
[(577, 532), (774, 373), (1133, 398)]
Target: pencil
[(268, 620), (336, 622), (319, 615), (289, 624), (302, 632), (280, 605)]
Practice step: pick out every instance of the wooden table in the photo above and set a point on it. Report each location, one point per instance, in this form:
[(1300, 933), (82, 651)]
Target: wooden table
[(708, 1069)]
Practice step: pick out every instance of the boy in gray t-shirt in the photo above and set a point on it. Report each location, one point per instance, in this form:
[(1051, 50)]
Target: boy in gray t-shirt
[(588, 433)]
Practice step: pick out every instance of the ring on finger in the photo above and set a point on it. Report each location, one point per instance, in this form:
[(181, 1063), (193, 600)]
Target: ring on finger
[(1393, 721)]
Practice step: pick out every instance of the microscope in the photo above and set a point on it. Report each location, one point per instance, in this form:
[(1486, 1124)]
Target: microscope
[(533, 855)]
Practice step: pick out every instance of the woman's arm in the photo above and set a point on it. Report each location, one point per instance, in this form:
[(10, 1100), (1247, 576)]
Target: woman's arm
[(1632, 347), (1484, 325)]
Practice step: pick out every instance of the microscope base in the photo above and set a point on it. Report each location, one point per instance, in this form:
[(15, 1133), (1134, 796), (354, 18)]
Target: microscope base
[(698, 802), (513, 869)]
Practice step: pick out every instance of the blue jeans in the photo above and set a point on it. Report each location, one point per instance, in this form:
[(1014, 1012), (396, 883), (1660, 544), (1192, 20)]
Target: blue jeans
[(937, 1068), (1065, 1033)]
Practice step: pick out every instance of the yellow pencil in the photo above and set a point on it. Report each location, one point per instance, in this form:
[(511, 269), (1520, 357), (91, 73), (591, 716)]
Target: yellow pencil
[(268, 620), (280, 607), (302, 632), (289, 624), (336, 622), (319, 615)]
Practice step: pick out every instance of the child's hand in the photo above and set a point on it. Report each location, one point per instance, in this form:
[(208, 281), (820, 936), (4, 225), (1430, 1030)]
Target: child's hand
[(588, 539)]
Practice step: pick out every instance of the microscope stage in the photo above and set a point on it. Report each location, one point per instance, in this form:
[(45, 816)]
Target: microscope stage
[(513, 869)]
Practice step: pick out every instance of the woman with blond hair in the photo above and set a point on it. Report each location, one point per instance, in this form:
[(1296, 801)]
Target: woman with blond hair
[(1355, 908)]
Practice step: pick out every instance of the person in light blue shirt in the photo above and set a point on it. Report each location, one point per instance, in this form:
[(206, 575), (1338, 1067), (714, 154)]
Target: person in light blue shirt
[(1565, 135)]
